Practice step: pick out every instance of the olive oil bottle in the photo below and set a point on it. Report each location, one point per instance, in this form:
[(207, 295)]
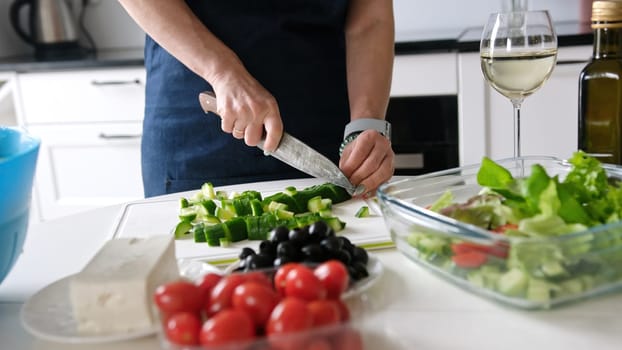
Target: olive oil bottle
[(600, 86)]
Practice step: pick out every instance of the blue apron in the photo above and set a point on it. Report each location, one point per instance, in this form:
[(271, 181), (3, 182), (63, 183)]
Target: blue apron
[(294, 48)]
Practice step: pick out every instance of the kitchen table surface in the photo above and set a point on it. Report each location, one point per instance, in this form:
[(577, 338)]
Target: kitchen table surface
[(408, 308)]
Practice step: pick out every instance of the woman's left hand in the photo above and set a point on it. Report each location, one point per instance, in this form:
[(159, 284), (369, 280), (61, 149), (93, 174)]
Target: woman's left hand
[(368, 161)]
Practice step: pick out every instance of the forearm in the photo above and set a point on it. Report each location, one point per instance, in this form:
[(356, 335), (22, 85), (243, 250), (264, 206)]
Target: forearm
[(172, 25), (370, 40)]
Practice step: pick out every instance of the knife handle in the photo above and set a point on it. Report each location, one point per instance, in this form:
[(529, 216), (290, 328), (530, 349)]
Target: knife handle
[(207, 99)]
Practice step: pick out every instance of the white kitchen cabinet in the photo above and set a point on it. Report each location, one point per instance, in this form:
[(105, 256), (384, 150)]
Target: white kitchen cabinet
[(549, 117), (90, 124)]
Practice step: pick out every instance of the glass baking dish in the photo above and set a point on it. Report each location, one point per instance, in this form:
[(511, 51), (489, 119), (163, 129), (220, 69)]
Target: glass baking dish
[(525, 272)]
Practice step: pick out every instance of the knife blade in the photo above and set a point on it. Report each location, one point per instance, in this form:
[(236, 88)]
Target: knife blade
[(297, 154)]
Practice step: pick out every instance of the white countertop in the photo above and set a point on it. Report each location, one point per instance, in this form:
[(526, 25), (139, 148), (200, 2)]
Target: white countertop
[(409, 308)]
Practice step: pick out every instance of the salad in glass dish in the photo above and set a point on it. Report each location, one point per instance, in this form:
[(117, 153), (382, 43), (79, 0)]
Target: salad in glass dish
[(532, 232)]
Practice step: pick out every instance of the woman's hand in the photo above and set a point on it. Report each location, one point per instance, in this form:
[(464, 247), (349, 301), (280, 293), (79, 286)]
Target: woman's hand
[(368, 161), (247, 109)]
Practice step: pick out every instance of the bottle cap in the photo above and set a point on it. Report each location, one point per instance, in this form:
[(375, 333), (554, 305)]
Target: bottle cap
[(607, 14)]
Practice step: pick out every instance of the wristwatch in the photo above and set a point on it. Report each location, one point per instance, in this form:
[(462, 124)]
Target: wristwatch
[(357, 126)]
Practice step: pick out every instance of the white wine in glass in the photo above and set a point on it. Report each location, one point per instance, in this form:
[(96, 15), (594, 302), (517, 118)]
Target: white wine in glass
[(518, 52)]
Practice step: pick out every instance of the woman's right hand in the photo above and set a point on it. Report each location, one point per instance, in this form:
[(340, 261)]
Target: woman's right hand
[(247, 108)]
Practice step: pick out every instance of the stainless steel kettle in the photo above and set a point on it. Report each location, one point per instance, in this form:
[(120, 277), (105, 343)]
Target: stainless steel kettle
[(52, 29)]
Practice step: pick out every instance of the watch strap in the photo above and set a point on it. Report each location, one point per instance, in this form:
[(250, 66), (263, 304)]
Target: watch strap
[(360, 125)]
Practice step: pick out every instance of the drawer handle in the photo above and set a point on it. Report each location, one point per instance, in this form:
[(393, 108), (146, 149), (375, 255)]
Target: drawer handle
[(115, 82), (105, 136)]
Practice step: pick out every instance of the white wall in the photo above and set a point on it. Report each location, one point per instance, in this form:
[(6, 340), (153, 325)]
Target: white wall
[(112, 28)]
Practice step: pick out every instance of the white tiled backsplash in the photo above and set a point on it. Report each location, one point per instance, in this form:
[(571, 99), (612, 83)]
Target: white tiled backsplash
[(112, 28)]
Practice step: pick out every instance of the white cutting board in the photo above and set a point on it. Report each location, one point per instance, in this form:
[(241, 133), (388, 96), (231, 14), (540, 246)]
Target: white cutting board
[(158, 216)]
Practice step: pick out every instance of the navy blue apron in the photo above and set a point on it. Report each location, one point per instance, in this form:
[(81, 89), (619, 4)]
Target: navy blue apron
[(294, 48)]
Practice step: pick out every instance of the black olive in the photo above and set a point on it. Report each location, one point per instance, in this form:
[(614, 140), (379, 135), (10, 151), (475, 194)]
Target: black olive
[(346, 244), (258, 261), (343, 256), (318, 230), (357, 270), (360, 254), (314, 253), (268, 248), (288, 250), (332, 244), (246, 251), (281, 261), (299, 237), (279, 234)]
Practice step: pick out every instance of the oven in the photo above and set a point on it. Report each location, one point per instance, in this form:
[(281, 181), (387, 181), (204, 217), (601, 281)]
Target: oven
[(424, 133)]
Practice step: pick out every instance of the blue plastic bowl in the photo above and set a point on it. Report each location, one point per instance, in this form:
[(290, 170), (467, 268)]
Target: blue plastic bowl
[(18, 159)]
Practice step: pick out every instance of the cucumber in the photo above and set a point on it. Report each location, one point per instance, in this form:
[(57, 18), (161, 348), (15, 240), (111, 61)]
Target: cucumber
[(214, 233), (182, 229), (315, 204), (363, 212), (199, 233), (236, 229), (334, 223), (187, 214), (184, 203), (513, 283), (206, 207), (207, 190), (256, 207)]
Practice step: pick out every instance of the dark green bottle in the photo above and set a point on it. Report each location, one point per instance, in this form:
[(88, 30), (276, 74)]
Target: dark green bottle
[(600, 86)]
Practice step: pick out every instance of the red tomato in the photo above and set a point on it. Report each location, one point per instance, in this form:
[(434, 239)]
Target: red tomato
[(279, 277), (495, 250), (289, 316), (178, 296), (207, 282), (300, 282), (183, 328), (344, 311), (256, 299), (503, 228), (469, 259), (220, 297), (334, 276), (348, 339), (324, 312), (258, 276), (227, 326)]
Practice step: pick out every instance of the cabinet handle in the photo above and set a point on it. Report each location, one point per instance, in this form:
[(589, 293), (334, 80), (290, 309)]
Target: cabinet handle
[(105, 136), (115, 82)]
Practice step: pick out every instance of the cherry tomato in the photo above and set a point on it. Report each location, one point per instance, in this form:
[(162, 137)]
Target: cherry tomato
[(290, 315), (207, 282), (178, 296), (279, 277), (227, 326), (300, 282), (344, 311), (324, 312), (258, 276), (183, 328), (256, 299), (334, 276), (220, 297)]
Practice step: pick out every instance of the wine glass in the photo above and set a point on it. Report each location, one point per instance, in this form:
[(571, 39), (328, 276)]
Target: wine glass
[(518, 52)]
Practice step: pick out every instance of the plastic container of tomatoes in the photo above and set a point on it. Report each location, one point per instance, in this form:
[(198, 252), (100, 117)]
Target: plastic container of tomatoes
[(295, 306)]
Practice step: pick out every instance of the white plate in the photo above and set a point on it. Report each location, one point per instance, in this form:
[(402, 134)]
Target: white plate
[(374, 268), (48, 314)]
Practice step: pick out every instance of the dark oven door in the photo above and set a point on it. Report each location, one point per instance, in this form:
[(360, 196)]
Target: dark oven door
[(424, 133)]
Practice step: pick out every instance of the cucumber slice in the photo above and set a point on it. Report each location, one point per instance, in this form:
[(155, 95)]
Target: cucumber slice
[(274, 206), (182, 229), (315, 204), (183, 202), (363, 212), (187, 213), (207, 190), (256, 207), (199, 234), (214, 233), (236, 230), (224, 214), (336, 224)]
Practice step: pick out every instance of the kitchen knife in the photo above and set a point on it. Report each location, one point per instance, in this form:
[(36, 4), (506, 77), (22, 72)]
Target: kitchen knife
[(297, 154)]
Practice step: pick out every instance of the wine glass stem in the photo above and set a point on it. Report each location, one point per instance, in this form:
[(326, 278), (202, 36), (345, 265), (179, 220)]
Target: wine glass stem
[(516, 106)]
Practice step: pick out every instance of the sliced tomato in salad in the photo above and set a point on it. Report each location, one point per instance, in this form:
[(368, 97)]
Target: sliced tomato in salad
[(470, 259), (498, 250)]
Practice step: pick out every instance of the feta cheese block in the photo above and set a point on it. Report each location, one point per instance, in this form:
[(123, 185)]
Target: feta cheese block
[(114, 291)]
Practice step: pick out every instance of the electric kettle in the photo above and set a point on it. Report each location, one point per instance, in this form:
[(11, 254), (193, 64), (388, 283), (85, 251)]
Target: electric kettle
[(52, 29)]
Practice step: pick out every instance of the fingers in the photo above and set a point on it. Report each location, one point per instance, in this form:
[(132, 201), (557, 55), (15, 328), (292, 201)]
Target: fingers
[(368, 160), (246, 117)]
